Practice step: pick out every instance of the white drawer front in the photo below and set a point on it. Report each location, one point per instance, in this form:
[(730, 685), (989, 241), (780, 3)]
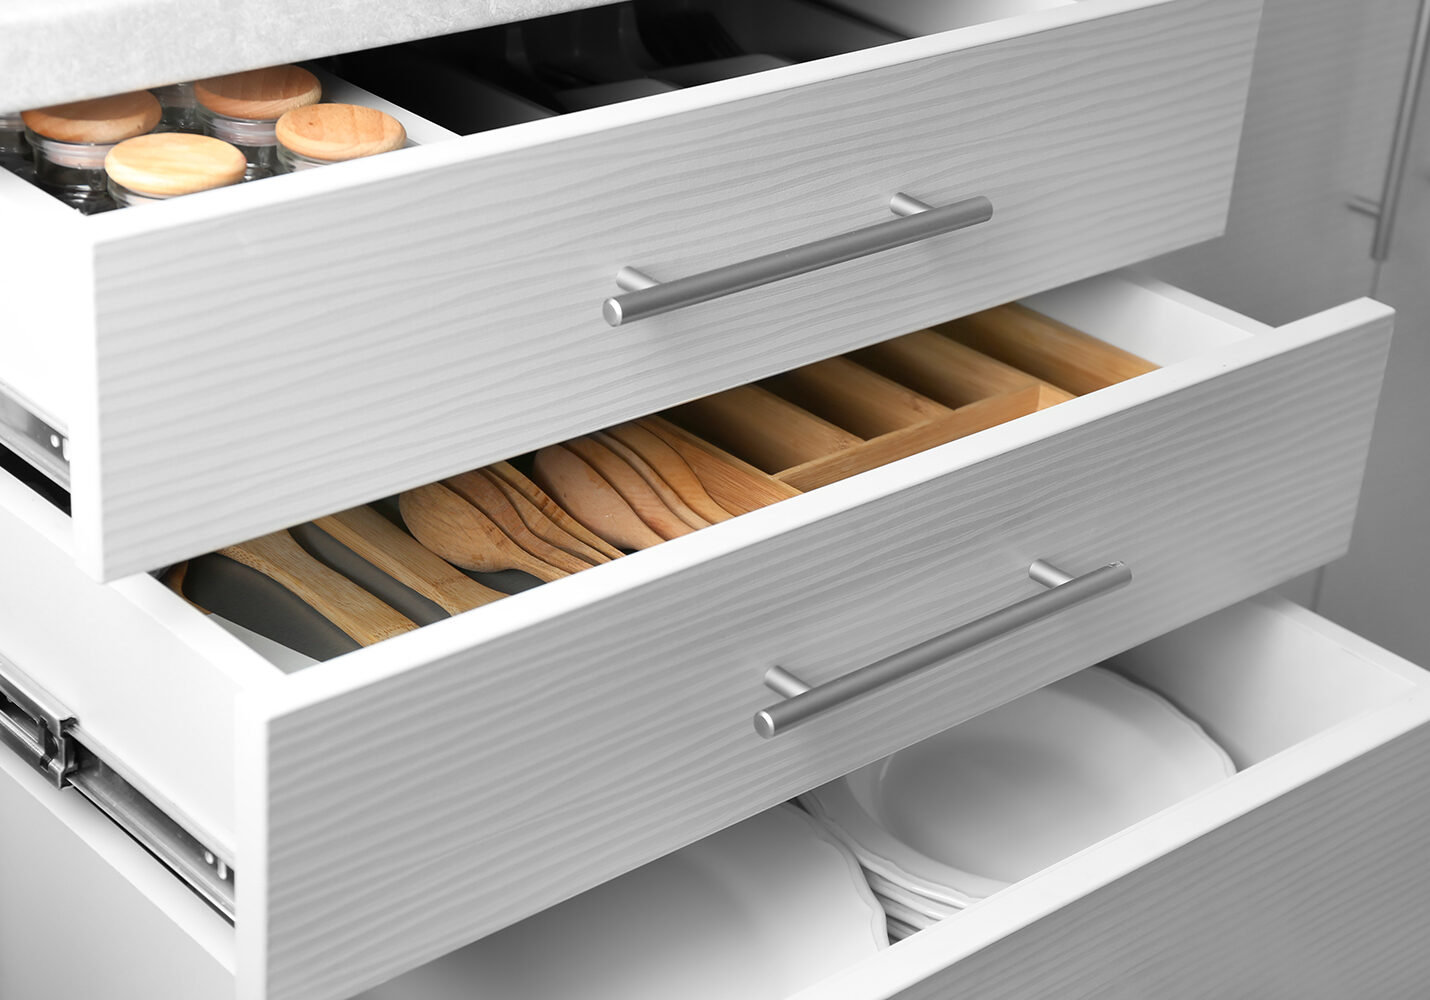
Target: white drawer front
[(482, 768), (253, 357)]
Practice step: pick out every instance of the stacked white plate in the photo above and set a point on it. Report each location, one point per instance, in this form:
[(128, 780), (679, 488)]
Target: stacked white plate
[(953, 819), (761, 909)]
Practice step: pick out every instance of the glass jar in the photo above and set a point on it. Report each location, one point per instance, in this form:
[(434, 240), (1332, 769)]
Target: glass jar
[(70, 142), (158, 166), (321, 134), (14, 148), (243, 108), (180, 110)]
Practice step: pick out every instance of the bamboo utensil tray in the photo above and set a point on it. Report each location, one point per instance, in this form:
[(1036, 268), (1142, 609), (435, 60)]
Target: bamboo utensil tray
[(728, 454)]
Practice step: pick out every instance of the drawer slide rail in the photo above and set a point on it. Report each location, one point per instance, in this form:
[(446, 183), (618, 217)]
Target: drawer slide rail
[(41, 732)]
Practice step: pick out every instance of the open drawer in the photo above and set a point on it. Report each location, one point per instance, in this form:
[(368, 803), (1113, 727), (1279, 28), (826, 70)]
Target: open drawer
[(1305, 875), (227, 363), (473, 771)]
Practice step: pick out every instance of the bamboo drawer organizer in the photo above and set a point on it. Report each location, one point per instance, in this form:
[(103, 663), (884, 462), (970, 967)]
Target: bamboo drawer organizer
[(361, 573)]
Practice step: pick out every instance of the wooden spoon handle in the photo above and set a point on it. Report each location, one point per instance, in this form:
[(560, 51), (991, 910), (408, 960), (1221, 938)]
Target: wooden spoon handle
[(653, 479), (508, 474), (361, 616), (487, 497), (590, 499), (406, 560), (543, 526), (632, 488), (671, 467)]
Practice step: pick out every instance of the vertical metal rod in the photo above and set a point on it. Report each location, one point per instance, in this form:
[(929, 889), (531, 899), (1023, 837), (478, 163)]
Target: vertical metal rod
[(1404, 132)]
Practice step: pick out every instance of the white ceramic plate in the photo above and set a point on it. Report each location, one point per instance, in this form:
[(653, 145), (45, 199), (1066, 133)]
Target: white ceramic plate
[(1010, 792), (907, 916), (761, 909), (887, 890)]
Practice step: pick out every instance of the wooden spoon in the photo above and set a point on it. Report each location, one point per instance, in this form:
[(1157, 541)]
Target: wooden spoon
[(676, 471), (590, 499), (541, 525), (508, 474), (406, 560), (652, 478), (633, 489), (487, 497), (464, 536), (360, 615)]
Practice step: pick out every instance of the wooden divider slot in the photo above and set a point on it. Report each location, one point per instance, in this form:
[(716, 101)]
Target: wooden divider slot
[(908, 441), (855, 398), (768, 432), (1052, 351), (942, 369)]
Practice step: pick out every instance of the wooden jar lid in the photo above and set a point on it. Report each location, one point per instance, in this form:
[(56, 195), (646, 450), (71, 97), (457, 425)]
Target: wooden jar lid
[(339, 131), (170, 163), (261, 94), (101, 120)]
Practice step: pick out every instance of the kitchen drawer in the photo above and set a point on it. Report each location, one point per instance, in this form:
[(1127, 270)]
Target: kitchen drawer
[(1305, 876), (389, 805), (231, 362)]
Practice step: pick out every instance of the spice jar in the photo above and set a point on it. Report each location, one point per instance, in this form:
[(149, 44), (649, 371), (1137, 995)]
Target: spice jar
[(243, 108), (330, 133), (158, 166), (14, 150), (181, 112), (70, 142)]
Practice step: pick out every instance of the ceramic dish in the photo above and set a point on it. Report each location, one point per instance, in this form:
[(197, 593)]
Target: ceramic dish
[(993, 800), (759, 910)]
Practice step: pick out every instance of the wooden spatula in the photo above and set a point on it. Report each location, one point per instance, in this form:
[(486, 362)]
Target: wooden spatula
[(359, 614), (487, 497), (464, 536), (653, 479), (542, 525), (590, 499), (534, 495), (406, 560), (633, 489), (671, 467)]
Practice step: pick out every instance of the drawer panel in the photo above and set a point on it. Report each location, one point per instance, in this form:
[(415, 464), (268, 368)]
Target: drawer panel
[(483, 767), (1303, 876), (241, 360)]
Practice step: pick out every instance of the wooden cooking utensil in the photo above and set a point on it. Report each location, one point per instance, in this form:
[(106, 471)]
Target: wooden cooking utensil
[(542, 525), (508, 474), (464, 536), (632, 487), (359, 614), (667, 493), (402, 557), (667, 463), (734, 484), (590, 499), (487, 497)]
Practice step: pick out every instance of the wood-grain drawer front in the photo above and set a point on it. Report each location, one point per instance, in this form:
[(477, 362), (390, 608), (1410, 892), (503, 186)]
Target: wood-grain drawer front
[(1305, 877), (484, 767), (257, 356)]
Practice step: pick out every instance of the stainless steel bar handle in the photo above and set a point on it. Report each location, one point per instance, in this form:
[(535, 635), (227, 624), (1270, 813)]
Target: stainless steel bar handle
[(646, 297), (804, 702)]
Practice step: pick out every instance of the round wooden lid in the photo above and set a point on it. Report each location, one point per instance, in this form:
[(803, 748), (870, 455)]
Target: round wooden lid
[(169, 163), (261, 94), (101, 120), (339, 131)]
